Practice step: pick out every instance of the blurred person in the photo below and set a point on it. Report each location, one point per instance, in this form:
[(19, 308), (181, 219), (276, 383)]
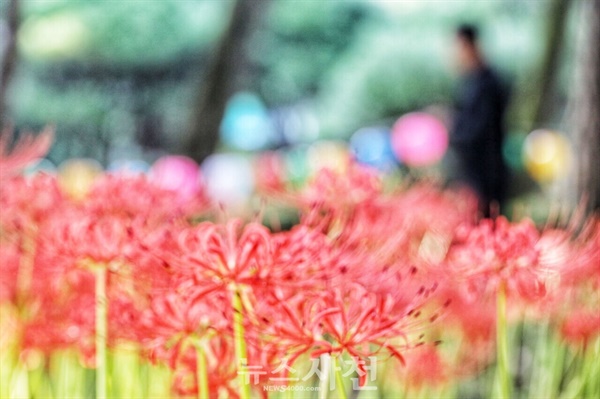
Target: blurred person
[(477, 130)]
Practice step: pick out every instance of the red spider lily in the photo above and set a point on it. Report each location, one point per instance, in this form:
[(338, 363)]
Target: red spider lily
[(221, 370), (269, 175), (27, 205), (335, 191), (215, 256), (302, 251), (76, 241), (399, 227), (497, 252), (62, 302), (137, 197), (173, 319), (62, 314), (357, 185), (23, 152), (579, 261), (424, 367), (27, 202), (475, 316), (9, 269), (342, 319), (173, 328), (581, 327), (90, 238), (575, 301), (355, 199)]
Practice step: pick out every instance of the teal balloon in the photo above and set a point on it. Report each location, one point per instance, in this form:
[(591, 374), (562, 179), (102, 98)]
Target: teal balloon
[(512, 150), (246, 124), (296, 164)]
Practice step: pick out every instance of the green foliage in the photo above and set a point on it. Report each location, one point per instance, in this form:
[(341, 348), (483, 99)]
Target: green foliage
[(129, 33), (355, 63)]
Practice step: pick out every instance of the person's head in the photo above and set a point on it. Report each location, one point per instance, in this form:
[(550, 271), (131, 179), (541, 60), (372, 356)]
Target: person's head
[(467, 47)]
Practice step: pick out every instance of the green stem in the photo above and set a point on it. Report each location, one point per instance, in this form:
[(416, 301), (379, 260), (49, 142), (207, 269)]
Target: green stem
[(594, 380), (241, 353), (289, 393), (556, 362), (201, 372), (338, 378), (502, 344), (587, 362), (101, 332), (324, 380), (539, 357)]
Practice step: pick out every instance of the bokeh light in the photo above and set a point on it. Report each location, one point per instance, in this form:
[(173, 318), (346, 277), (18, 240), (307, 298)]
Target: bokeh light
[(512, 150), (128, 167), (246, 124), (296, 164), (177, 173), (54, 36), (372, 146), (333, 155), (76, 176), (546, 155), (419, 139), (229, 179)]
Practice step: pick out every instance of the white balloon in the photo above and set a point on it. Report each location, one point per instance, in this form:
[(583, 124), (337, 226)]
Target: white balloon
[(229, 178)]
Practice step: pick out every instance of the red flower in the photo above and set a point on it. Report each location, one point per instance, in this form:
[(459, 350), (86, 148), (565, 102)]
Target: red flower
[(343, 191), (424, 367), (136, 197), (269, 175), (62, 314), (172, 319), (9, 270), (23, 152), (87, 237), (28, 202), (578, 259), (214, 256), (345, 318), (497, 252), (221, 370), (581, 327)]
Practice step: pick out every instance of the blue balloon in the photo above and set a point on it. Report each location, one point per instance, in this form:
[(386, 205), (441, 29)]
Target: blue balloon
[(128, 166), (246, 124), (372, 146)]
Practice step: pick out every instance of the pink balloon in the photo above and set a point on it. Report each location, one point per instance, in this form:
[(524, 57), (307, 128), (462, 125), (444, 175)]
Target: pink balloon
[(177, 173), (419, 139)]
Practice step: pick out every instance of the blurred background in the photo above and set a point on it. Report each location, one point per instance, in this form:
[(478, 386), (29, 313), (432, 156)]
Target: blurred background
[(126, 82)]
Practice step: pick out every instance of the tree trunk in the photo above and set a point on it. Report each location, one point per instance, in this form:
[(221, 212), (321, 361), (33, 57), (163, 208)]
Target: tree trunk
[(555, 33), (585, 108), (226, 74), (533, 102), (9, 57)]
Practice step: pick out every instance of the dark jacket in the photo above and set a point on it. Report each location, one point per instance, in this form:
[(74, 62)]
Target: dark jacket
[(478, 133)]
